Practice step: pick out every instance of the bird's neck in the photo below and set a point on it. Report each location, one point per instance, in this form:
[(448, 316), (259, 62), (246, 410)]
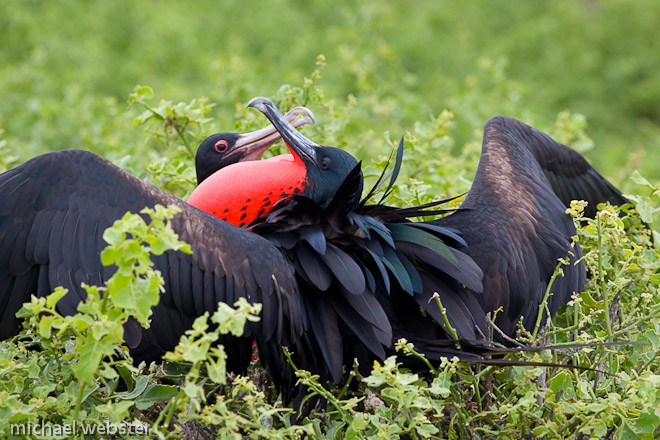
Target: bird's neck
[(245, 191)]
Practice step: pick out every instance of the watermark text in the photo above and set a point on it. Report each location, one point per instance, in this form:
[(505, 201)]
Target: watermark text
[(47, 429)]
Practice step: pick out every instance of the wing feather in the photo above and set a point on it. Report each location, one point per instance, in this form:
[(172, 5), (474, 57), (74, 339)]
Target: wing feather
[(513, 218), (54, 209)]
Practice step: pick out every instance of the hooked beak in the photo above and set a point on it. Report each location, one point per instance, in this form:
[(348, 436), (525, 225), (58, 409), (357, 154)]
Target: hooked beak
[(252, 145), (298, 144)]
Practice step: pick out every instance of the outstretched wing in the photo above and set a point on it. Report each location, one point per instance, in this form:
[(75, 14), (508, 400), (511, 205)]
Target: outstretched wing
[(514, 220), (53, 211), (570, 176)]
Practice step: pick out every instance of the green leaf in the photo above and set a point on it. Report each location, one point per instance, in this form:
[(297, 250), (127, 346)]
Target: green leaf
[(441, 385), (142, 92), (156, 393), (336, 429), (114, 236), (646, 210), (54, 297), (116, 411), (90, 352), (359, 423), (139, 386), (136, 295), (638, 179), (45, 326), (193, 390), (646, 424), (216, 365), (126, 376), (426, 430), (541, 431), (562, 382)]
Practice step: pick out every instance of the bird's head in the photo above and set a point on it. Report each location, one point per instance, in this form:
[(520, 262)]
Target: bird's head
[(326, 167), (245, 189), (223, 149)]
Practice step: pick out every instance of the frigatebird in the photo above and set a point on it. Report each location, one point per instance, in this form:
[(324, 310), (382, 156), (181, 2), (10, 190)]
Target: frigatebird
[(513, 225), (320, 268), (338, 278)]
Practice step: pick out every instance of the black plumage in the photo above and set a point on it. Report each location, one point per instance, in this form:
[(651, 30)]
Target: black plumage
[(514, 219), (499, 250), (55, 208), (56, 240), (353, 262), (339, 278)]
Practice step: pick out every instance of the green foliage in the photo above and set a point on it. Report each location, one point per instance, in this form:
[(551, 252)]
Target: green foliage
[(7, 158), (136, 287), (179, 127), (67, 68), (79, 373), (66, 369)]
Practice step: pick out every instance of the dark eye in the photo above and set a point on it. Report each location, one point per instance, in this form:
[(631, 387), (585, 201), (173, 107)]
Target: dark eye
[(326, 163), (221, 146)]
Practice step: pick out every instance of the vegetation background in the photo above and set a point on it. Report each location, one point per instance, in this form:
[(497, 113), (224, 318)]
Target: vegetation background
[(67, 67), (585, 71)]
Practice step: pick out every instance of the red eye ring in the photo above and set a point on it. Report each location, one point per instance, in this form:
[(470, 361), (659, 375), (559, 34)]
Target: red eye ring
[(221, 146)]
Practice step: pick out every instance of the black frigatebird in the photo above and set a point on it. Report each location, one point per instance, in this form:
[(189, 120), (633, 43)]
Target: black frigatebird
[(338, 278), (350, 258), (321, 268)]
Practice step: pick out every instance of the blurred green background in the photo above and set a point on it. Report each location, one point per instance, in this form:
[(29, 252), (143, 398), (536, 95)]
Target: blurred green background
[(67, 67)]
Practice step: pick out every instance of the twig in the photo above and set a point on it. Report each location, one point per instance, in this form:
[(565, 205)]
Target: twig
[(544, 303), (445, 318), (502, 334)]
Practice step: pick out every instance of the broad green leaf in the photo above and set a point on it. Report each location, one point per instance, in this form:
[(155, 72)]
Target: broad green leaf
[(562, 382), (45, 326), (54, 297), (156, 393), (90, 352), (640, 180)]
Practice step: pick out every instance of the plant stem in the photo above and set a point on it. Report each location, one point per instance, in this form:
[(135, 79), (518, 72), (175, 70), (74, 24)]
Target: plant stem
[(346, 385), (183, 139), (576, 319), (544, 302), (445, 318), (81, 393), (317, 388), (601, 283), (104, 300), (477, 392)]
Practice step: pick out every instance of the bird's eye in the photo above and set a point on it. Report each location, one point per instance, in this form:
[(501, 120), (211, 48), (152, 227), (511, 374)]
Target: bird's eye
[(326, 163), (221, 146)]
